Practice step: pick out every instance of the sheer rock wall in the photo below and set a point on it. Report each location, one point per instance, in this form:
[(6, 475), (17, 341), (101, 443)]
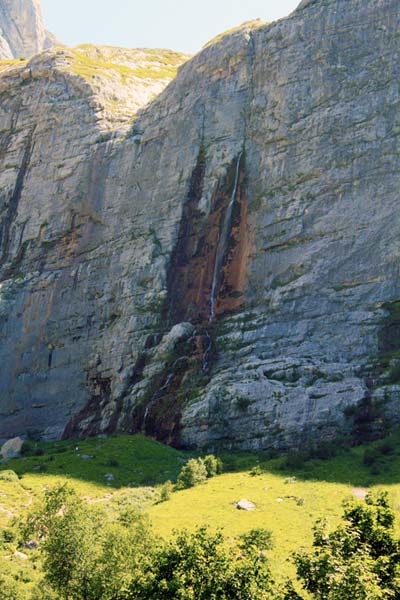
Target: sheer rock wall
[(110, 234)]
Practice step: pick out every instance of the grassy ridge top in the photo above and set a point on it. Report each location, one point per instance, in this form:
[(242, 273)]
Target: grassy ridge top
[(89, 61), (15, 62), (122, 80)]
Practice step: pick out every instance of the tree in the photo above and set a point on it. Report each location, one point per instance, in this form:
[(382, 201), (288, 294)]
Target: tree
[(86, 555), (201, 566), (192, 473), (360, 560)]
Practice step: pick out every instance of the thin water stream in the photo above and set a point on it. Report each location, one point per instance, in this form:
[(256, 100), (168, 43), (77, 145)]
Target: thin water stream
[(223, 243)]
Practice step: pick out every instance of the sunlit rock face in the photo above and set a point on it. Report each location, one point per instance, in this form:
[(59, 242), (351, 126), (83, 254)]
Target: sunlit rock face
[(22, 29), (221, 266)]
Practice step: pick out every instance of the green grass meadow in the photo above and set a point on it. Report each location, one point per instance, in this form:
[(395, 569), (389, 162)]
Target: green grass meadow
[(121, 470)]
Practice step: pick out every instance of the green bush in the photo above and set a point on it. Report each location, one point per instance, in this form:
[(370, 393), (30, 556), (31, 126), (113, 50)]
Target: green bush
[(213, 465), (202, 566), (9, 590), (87, 554), (8, 475), (166, 491), (359, 560), (192, 473), (256, 471), (8, 535), (259, 538)]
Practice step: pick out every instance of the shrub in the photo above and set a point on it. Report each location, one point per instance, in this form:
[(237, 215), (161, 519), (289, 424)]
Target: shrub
[(8, 536), (9, 590), (259, 538), (166, 491), (86, 554), (256, 471), (202, 566), (213, 465), (192, 473), (8, 475), (358, 560)]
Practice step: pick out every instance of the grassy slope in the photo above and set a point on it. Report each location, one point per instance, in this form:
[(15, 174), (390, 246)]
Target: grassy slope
[(6, 64), (140, 465), (90, 60)]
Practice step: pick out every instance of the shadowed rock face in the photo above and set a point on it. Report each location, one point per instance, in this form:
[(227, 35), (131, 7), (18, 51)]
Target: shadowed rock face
[(22, 29), (109, 239)]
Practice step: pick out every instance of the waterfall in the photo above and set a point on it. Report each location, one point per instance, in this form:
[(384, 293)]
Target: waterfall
[(206, 353), (158, 393), (223, 243)]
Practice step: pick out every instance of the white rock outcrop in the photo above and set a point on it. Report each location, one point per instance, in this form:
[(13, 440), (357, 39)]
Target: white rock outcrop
[(12, 448), (22, 29)]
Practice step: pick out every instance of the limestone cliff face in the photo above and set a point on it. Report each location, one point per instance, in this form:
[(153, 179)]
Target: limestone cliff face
[(22, 29), (223, 268)]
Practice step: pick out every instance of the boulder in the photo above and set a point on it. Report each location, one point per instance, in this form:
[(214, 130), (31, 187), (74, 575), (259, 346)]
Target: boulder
[(12, 448), (246, 505)]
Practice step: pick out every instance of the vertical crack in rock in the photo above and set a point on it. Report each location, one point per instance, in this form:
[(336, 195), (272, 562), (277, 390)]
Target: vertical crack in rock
[(12, 206), (188, 272), (205, 281)]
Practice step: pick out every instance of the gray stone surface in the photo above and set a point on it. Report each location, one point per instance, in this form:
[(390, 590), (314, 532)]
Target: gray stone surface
[(11, 448), (94, 209), (22, 29)]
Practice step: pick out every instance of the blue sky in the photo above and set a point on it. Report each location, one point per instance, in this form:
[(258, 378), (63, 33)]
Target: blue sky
[(183, 25)]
